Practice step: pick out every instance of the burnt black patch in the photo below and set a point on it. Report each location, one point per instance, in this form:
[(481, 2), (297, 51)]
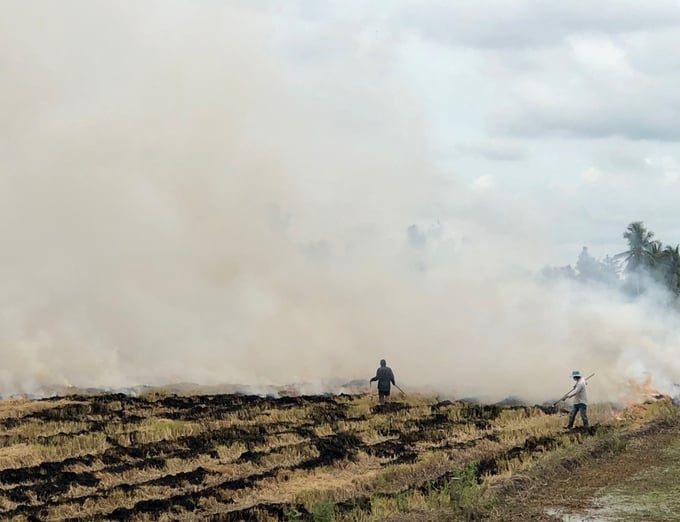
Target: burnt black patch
[(327, 414), (388, 449), (60, 484), (221, 492), (461, 445), (357, 503), (480, 412), (194, 477), (486, 467), (436, 420), (252, 456), (66, 412), (394, 450), (306, 431), (18, 494), (548, 409), (531, 446), (216, 406), (390, 407), (96, 410), (47, 487), (263, 512), (538, 444), (334, 448), (423, 435), (11, 422), (44, 471), (188, 446)]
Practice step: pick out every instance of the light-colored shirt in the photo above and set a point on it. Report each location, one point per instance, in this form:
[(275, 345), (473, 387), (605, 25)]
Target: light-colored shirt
[(579, 392)]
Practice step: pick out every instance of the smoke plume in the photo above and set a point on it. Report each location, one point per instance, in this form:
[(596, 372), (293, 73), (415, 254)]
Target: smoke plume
[(189, 194)]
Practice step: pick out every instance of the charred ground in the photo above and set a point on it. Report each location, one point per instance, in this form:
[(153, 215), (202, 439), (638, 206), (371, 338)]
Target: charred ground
[(235, 457)]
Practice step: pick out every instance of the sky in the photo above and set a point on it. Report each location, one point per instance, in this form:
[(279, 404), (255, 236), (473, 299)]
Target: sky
[(264, 192), (572, 108)]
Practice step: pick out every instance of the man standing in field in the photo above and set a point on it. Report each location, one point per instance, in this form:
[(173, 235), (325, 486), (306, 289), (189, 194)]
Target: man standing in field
[(580, 400), (385, 378)]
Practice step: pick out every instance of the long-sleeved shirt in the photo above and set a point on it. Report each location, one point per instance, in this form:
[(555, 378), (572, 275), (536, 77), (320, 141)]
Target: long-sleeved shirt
[(384, 376), (579, 393)]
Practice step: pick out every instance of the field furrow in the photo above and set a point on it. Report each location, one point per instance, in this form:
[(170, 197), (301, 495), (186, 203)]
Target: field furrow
[(233, 457)]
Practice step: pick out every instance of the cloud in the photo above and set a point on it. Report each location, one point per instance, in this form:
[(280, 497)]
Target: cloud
[(630, 174), (495, 150), (483, 183), (541, 69), (592, 87), (592, 175), (530, 23)]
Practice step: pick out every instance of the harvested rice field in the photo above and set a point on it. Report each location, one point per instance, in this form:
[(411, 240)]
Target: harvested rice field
[(239, 457)]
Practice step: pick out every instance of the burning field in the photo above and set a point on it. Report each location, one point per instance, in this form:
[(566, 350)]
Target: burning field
[(236, 457)]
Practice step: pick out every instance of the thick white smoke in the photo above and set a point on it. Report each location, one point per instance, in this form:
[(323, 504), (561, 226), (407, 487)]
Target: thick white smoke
[(182, 200)]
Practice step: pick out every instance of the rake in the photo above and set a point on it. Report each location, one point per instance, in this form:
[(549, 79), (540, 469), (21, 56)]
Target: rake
[(565, 395)]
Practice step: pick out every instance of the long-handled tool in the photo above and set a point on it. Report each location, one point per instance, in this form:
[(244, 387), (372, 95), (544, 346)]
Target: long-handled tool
[(566, 394), (398, 388)]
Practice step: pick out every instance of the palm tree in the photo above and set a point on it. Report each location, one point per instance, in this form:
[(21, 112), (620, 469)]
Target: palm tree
[(655, 252), (656, 261), (671, 263), (641, 251), (640, 247)]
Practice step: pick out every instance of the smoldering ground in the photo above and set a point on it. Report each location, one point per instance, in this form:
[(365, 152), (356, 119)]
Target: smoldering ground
[(187, 194)]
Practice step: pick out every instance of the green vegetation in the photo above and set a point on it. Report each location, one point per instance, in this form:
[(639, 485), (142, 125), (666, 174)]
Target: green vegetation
[(652, 495), (646, 262)]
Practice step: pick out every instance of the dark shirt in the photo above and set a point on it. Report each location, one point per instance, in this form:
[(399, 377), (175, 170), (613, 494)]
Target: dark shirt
[(384, 376)]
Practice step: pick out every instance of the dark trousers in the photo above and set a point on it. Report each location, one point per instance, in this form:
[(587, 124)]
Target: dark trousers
[(580, 407), (382, 395)]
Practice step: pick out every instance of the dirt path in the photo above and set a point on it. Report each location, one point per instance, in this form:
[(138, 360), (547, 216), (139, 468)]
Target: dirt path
[(632, 478)]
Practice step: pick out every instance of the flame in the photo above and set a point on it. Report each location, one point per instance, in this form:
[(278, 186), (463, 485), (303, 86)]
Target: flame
[(640, 391)]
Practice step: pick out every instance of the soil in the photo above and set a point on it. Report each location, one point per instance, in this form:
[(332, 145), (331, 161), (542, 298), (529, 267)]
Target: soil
[(634, 478)]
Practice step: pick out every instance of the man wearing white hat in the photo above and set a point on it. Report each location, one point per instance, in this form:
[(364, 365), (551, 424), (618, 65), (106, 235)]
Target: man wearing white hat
[(580, 400)]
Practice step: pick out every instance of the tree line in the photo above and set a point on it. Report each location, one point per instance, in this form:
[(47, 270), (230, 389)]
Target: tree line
[(647, 262)]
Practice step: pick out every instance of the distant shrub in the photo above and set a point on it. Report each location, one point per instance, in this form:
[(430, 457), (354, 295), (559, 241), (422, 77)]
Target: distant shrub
[(324, 511)]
